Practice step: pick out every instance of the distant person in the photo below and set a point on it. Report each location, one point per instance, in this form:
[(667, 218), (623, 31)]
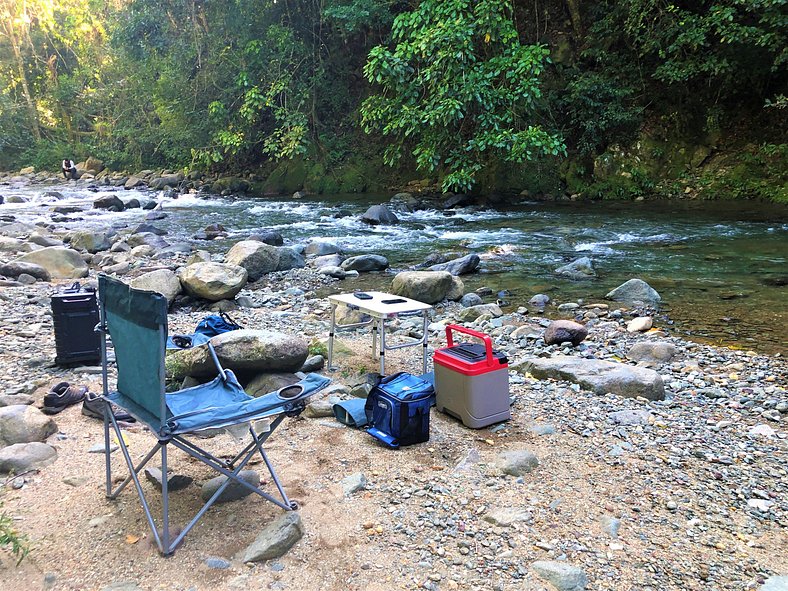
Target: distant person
[(69, 169)]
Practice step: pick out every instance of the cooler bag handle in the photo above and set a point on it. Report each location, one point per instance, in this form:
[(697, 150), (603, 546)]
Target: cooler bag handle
[(474, 333)]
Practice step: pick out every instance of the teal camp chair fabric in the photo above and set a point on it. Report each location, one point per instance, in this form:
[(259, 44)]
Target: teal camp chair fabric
[(136, 321)]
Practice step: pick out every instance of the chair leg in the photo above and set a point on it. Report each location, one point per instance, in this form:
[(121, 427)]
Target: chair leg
[(165, 505), (107, 461)]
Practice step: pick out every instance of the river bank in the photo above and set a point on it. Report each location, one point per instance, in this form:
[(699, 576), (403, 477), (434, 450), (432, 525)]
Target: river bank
[(684, 489)]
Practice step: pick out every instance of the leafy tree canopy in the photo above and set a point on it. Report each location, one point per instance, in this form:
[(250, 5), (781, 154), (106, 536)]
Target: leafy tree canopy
[(459, 88)]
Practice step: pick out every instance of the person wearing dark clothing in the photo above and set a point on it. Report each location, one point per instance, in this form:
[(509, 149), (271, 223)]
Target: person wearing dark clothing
[(69, 169)]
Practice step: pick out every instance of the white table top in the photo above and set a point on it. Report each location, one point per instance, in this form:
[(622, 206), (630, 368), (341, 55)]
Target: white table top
[(377, 306)]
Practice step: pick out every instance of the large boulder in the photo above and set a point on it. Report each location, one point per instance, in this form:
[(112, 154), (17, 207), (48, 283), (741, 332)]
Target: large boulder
[(634, 292), (271, 237), (111, 202), (213, 281), (94, 165), (290, 258), (582, 268), (167, 180), (20, 457), (245, 350), (258, 258), (133, 182), (601, 377), (60, 262), (379, 215), (365, 262), (565, 331), (21, 423), (429, 287), (16, 268), (90, 240), (162, 281), (467, 264)]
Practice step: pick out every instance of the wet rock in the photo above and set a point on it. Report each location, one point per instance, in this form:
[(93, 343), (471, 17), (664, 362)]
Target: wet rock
[(599, 376), (21, 423), (213, 281), (60, 262), (517, 462), (111, 202), (276, 539), (234, 491), (635, 292), (20, 457), (133, 182), (16, 268), (429, 287), (565, 331), (365, 263), (461, 266), (242, 350), (146, 228), (167, 180), (540, 300), (271, 237), (470, 299), (162, 281), (258, 258), (321, 248), (379, 215), (582, 268), (561, 575)]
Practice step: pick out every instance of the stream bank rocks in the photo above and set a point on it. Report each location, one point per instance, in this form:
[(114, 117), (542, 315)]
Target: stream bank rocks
[(601, 377), (59, 262), (429, 287)]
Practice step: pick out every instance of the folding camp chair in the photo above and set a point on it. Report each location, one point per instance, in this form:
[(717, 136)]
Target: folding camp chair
[(136, 322)]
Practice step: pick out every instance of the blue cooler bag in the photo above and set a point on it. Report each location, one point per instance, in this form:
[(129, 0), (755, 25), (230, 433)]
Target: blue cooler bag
[(398, 409)]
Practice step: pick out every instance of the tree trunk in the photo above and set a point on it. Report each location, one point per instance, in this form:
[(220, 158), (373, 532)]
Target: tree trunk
[(574, 14), (20, 65)]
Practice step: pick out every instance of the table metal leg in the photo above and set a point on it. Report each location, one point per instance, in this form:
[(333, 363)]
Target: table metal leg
[(424, 342), (374, 339), (382, 347), (331, 336)]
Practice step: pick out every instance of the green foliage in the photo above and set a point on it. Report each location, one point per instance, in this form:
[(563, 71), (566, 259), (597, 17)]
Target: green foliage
[(600, 111), (318, 348), (10, 538), (757, 172), (458, 89), (352, 16)]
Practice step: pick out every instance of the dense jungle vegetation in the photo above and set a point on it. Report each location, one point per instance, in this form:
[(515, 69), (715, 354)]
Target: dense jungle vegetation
[(603, 98)]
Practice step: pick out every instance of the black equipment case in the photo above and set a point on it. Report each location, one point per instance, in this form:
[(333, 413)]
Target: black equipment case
[(75, 316)]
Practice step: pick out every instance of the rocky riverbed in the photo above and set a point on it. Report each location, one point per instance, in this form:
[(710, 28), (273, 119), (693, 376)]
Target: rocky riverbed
[(633, 459)]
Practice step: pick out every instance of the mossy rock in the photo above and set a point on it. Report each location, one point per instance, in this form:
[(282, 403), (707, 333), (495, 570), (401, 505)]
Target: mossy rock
[(233, 184), (287, 178)]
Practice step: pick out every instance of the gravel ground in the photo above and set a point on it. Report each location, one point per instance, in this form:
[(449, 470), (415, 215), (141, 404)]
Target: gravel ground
[(689, 493)]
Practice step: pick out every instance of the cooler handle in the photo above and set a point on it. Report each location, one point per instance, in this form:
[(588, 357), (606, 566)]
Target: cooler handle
[(473, 333)]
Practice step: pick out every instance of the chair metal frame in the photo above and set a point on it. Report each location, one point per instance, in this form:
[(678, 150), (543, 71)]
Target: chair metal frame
[(232, 468)]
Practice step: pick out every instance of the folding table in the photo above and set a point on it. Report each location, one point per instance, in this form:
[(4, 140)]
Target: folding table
[(381, 307)]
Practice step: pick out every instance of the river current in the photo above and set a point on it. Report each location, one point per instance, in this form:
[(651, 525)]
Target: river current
[(719, 267)]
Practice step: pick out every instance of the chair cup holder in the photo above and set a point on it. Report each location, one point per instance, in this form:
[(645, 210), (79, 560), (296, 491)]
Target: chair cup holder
[(290, 392)]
